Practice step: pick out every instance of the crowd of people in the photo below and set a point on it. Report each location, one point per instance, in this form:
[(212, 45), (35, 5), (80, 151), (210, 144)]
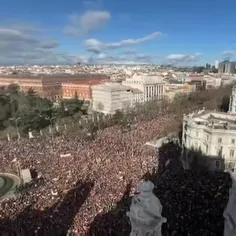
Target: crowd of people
[(82, 179)]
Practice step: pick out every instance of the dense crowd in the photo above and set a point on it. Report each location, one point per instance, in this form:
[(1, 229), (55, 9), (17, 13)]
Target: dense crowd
[(193, 201), (82, 180)]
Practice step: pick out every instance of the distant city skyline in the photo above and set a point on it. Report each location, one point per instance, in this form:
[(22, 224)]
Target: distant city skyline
[(182, 33)]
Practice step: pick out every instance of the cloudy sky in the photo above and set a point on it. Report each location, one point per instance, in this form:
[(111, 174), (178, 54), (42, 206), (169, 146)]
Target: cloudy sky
[(180, 32)]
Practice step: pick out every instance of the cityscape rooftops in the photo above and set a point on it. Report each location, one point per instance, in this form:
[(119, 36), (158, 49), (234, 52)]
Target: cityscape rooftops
[(85, 82), (54, 76)]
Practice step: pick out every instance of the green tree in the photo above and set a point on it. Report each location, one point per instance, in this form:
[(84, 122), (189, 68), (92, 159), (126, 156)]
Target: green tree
[(5, 110), (13, 89)]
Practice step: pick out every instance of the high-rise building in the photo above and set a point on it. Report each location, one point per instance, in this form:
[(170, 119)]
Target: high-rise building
[(208, 66), (230, 68), (216, 64), (221, 67), (226, 67), (232, 103)]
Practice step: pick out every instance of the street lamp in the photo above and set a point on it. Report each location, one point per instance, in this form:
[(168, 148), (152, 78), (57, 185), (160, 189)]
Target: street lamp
[(51, 124), (16, 125), (18, 166), (131, 128)]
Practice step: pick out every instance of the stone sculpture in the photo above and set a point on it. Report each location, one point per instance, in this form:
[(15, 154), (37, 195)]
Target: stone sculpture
[(145, 212), (230, 211)]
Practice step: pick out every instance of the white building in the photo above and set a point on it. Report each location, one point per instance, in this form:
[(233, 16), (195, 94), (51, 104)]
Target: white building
[(153, 87), (230, 211), (216, 64), (109, 97), (232, 104), (212, 82), (214, 133)]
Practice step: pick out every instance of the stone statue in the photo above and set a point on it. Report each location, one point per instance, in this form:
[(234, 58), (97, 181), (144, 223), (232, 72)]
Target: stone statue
[(145, 212), (230, 211)]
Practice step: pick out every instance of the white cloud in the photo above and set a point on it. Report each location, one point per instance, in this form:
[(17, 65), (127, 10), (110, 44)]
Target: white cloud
[(19, 45), (87, 22), (105, 58), (182, 58), (96, 46), (228, 54)]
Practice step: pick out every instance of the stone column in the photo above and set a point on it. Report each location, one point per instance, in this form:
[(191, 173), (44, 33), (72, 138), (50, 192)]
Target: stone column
[(30, 134), (145, 212), (57, 127)]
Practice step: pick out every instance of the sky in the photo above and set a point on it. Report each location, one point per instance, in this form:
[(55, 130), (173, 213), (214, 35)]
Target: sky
[(183, 32)]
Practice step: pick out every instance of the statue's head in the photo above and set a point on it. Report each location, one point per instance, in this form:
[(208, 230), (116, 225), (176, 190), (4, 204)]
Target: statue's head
[(146, 188)]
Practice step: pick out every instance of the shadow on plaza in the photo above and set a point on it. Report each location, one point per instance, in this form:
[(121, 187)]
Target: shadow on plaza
[(56, 220), (193, 200), (115, 222)]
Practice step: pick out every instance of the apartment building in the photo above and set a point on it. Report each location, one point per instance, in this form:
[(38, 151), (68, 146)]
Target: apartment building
[(226, 67), (212, 82), (50, 86), (81, 88), (214, 133), (110, 97)]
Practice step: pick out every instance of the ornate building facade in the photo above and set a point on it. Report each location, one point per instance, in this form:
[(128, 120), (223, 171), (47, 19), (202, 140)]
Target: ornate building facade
[(214, 134)]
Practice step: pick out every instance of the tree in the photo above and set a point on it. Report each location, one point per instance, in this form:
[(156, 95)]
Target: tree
[(74, 106), (32, 97), (118, 117), (100, 106), (5, 110), (198, 69), (13, 88)]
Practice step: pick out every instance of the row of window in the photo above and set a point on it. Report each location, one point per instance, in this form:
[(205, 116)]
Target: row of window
[(219, 139), (220, 150), (73, 90), (73, 94)]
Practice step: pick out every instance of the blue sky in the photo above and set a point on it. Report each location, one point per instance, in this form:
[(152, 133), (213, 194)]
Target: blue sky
[(96, 31)]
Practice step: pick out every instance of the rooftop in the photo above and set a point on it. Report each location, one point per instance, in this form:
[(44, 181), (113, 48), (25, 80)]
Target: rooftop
[(214, 119), (85, 82), (112, 87), (54, 76)]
